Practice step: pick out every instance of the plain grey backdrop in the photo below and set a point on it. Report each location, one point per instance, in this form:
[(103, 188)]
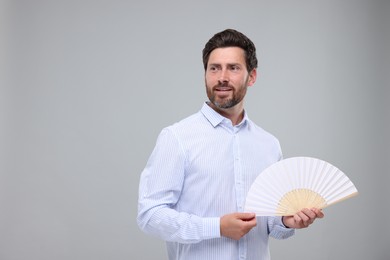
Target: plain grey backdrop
[(86, 86)]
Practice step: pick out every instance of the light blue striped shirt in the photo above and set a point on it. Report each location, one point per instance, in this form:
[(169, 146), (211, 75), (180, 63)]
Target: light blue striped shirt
[(201, 169)]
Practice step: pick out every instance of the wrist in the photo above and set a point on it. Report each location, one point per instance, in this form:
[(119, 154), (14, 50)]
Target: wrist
[(284, 223)]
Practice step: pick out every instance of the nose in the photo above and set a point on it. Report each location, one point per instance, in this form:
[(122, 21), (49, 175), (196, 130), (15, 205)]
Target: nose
[(223, 76)]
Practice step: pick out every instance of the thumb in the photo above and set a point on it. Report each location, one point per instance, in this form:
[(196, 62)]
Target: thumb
[(246, 215)]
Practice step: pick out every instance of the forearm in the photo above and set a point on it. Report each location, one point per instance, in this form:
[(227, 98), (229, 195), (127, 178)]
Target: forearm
[(181, 227)]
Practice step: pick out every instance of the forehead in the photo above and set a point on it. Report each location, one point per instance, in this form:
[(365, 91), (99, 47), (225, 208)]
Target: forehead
[(227, 55)]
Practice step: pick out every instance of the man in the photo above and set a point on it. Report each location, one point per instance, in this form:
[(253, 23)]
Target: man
[(193, 188)]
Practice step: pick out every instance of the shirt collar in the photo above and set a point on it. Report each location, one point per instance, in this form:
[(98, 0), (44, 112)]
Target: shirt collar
[(215, 118)]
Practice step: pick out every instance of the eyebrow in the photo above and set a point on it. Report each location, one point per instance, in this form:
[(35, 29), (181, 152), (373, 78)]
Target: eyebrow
[(228, 64)]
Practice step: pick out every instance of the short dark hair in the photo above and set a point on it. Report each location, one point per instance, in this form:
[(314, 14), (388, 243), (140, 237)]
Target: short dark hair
[(231, 38)]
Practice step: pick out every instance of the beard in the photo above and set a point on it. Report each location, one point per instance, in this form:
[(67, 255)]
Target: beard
[(228, 102), (225, 103)]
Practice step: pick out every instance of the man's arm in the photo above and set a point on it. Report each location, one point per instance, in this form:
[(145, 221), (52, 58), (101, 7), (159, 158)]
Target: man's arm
[(160, 189)]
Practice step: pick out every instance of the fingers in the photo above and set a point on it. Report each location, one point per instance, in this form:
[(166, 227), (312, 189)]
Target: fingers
[(318, 212), (245, 216), (237, 225), (306, 217), (248, 220)]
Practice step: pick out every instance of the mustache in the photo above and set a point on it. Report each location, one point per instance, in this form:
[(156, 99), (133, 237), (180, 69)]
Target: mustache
[(222, 85)]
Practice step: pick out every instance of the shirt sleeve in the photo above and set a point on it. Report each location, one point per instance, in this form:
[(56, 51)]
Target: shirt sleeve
[(278, 230), (160, 187)]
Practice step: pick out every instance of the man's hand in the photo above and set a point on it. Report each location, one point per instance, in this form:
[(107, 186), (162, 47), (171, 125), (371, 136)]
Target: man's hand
[(236, 225), (302, 219)]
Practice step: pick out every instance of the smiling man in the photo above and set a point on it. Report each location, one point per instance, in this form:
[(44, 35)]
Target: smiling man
[(193, 188), (227, 80)]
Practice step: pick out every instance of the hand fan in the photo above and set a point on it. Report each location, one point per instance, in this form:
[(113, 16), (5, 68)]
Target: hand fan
[(288, 186)]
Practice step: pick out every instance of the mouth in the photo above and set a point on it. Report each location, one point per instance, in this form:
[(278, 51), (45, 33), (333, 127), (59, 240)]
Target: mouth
[(223, 92), (223, 88)]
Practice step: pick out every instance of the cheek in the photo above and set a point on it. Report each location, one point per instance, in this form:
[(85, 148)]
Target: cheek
[(209, 80)]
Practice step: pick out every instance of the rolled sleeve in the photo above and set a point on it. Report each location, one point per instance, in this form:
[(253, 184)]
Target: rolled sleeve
[(278, 230)]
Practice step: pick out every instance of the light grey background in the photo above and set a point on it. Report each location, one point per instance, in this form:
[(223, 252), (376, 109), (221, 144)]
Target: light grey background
[(86, 86)]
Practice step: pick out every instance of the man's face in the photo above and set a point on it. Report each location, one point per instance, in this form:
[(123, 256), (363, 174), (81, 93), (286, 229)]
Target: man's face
[(227, 77)]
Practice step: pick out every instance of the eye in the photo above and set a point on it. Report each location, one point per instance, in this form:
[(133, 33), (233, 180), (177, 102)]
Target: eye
[(235, 68), (213, 68)]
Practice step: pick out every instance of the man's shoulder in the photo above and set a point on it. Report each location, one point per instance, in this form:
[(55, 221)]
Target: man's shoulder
[(261, 131), (188, 123)]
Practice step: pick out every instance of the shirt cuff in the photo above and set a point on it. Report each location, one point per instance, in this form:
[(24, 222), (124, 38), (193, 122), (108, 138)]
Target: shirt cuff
[(211, 228), (279, 222), (279, 230)]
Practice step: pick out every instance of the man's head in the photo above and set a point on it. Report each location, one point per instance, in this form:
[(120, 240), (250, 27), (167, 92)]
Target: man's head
[(231, 38), (230, 68)]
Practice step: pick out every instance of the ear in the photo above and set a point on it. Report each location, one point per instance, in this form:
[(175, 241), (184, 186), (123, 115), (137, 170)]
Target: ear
[(252, 77)]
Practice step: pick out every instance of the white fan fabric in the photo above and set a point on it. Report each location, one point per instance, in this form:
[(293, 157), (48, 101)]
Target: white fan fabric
[(292, 184)]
